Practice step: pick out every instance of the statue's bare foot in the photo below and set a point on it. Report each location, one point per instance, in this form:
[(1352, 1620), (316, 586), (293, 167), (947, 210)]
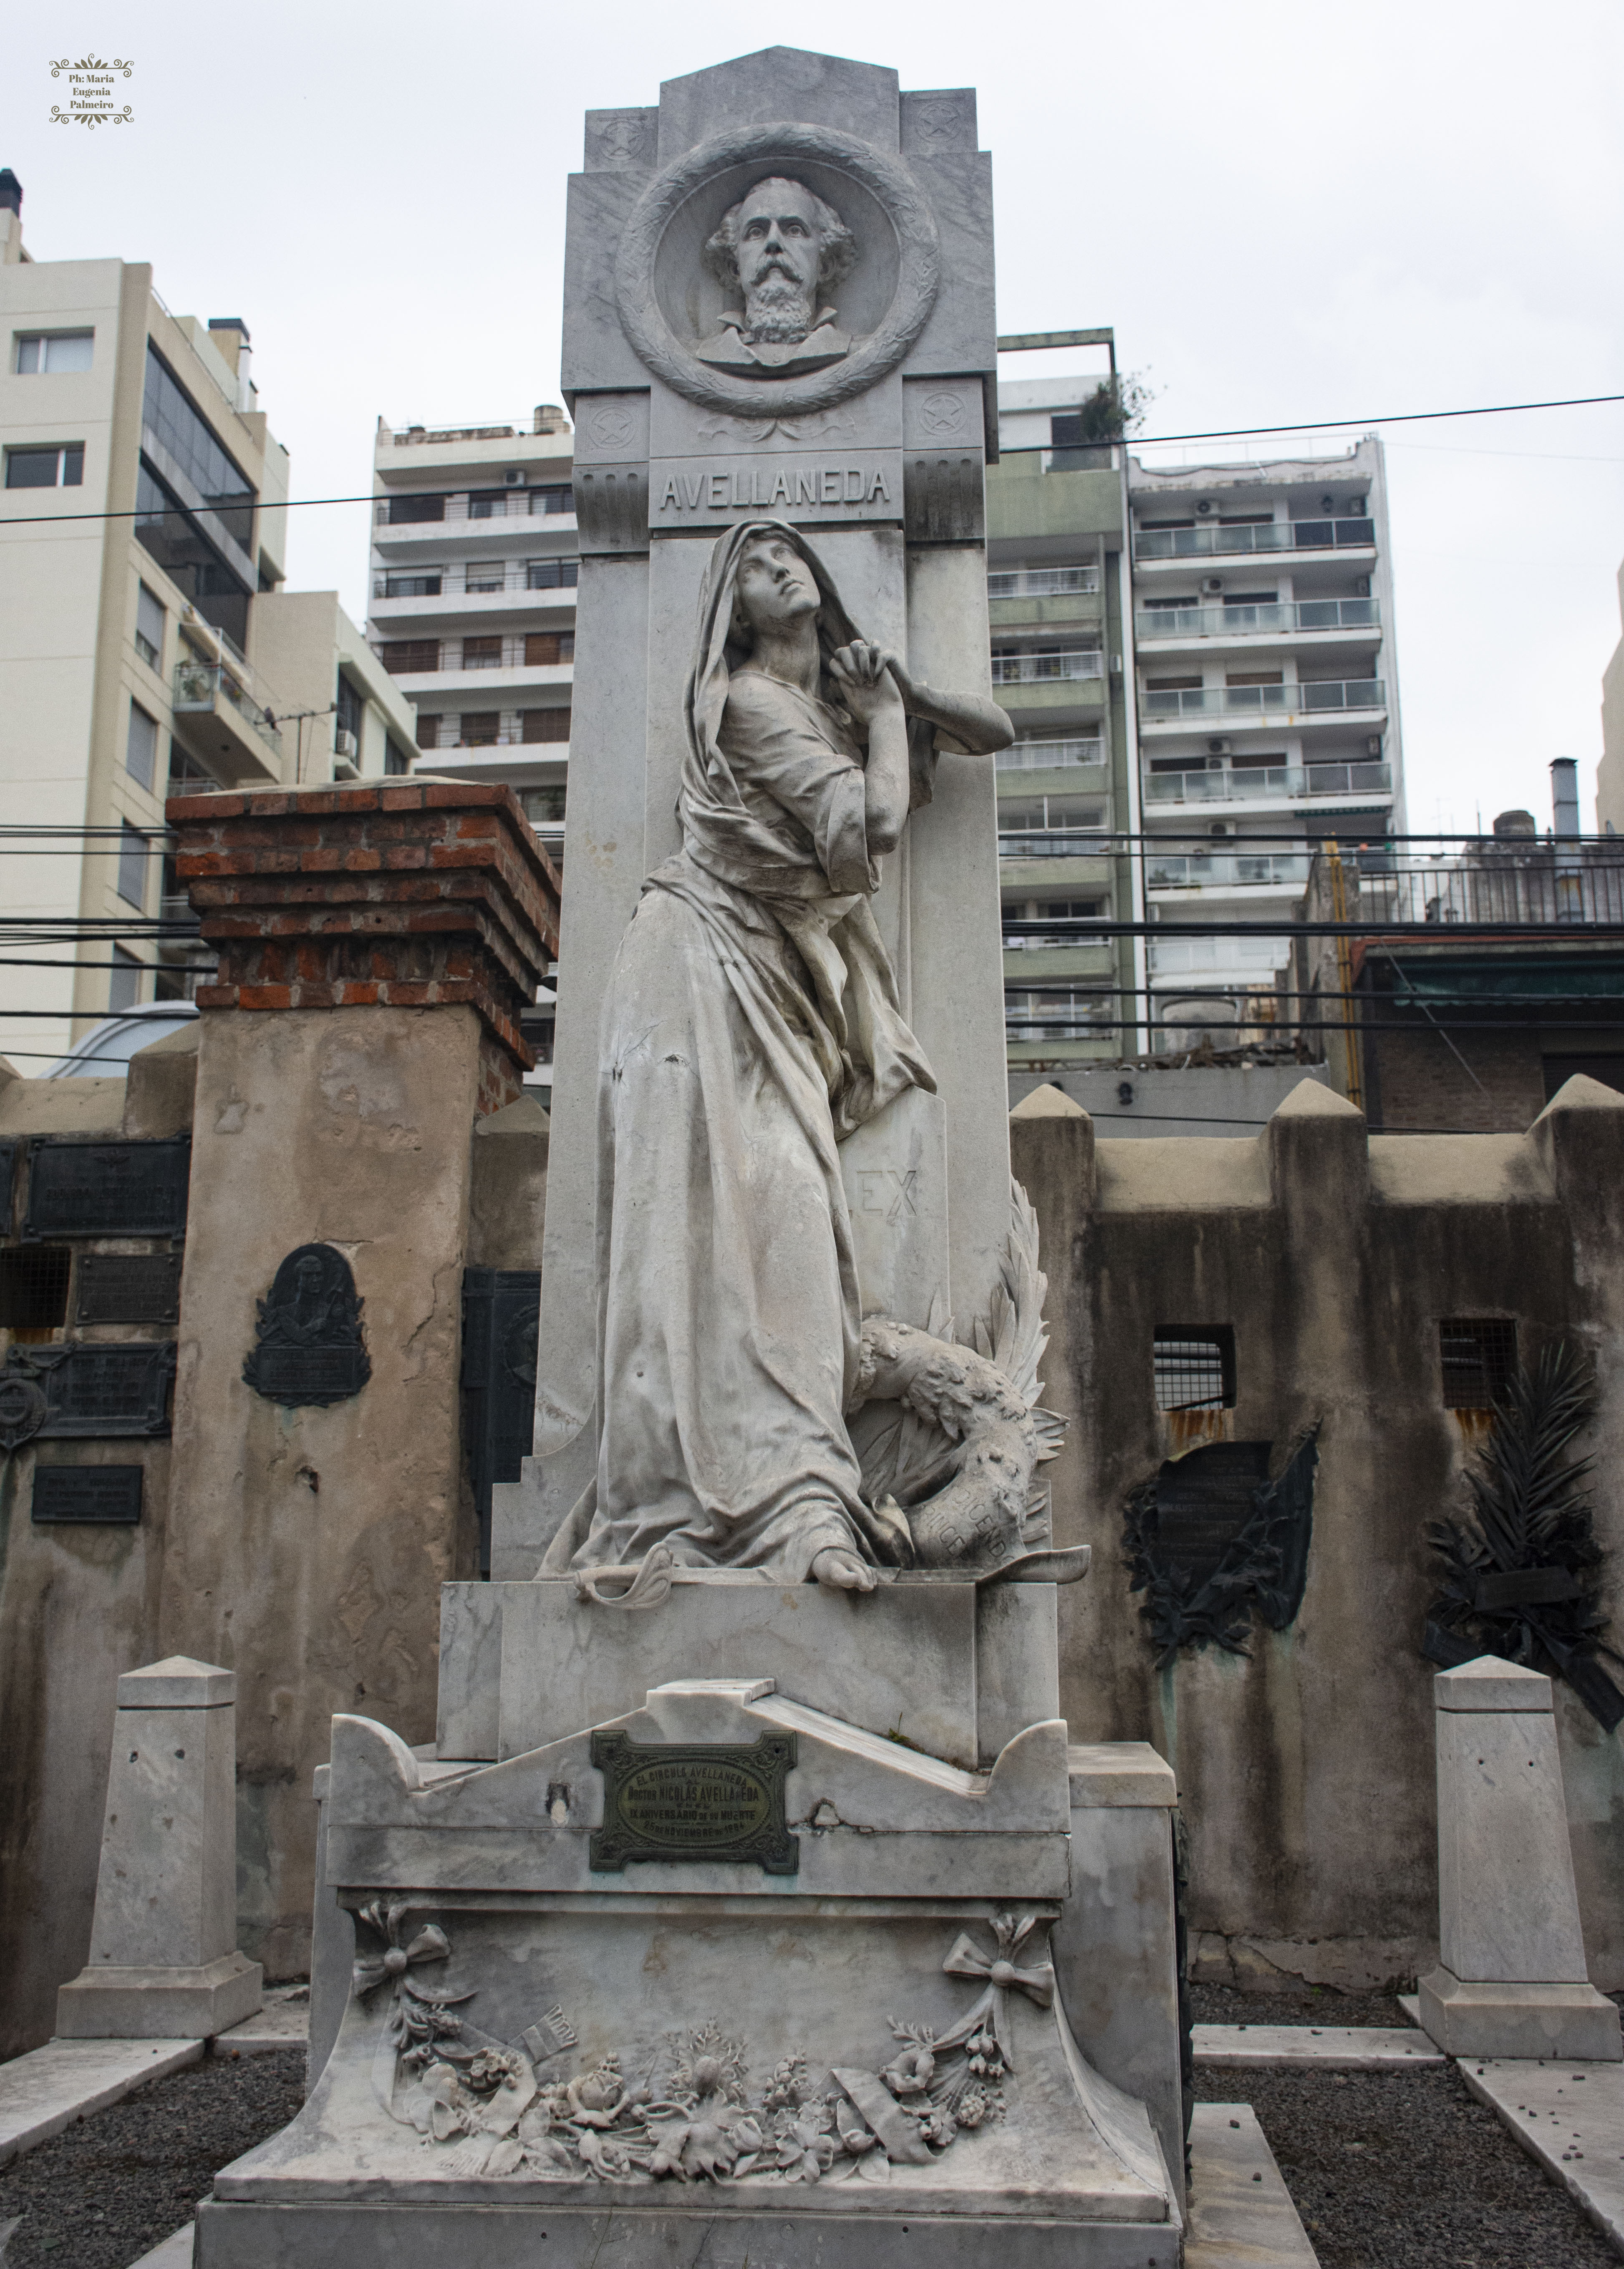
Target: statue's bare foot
[(842, 1571)]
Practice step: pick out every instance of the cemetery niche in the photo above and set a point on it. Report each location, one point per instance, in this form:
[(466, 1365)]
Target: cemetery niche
[(309, 1352), (1213, 1539)]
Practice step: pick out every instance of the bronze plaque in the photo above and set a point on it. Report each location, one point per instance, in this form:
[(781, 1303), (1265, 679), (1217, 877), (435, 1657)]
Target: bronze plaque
[(713, 1801)]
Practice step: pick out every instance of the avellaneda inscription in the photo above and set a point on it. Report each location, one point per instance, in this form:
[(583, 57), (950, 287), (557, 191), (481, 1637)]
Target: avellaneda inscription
[(702, 486)]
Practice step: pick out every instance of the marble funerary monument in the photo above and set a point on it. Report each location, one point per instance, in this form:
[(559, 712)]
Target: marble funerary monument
[(752, 1904)]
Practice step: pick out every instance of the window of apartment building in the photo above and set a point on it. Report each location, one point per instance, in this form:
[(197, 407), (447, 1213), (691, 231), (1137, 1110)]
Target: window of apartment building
[(51, 351), (406, 657), (132, 863), (141, 747), (1251, 598), (480, 728), (1246, 519), (545, 649), (175, 538), (486, 504), (170, 419), (552, 499), (1146, 525), (483, 653), (410, 511), (1254, 677), (395, 759), (545, 803), (1477, 1356), (551, 574), (186, 776), (425, 586), (1072, 909), (485, 575), (428, 731), (61, 466), (124, 984), (1193, 1366), (149, 617), (545, 725), (1056, 1013), (349, 705), (1185, 685)]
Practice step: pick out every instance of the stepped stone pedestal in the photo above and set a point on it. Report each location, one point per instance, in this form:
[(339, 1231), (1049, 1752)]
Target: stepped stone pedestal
[(163, 1964), (1512, 1980)]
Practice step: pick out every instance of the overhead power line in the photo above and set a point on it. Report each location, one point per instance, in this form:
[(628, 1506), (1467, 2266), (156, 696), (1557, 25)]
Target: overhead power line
[(1139, 440)]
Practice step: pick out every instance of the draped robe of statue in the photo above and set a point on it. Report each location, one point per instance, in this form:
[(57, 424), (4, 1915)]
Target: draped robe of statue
[(752, 1022)]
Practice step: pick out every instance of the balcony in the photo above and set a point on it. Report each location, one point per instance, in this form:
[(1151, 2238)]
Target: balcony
[(1241, 958), (217, 717), (1051, 755), (1254, 783), (1049, 666), (416, 509), (1053, 843), (480, 578), (1041, 582), (1302, 698), (1285, 616), (1226, 870), (1269, 535)]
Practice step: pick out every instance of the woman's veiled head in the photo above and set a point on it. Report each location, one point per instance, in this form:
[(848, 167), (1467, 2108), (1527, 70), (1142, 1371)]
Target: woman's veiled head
[(774, 587)]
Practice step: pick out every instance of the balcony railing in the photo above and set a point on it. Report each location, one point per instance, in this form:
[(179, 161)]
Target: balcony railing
[(1225, 870), (1041, 582), (1502, 881), (1268, 536), (1177, 957), (420, 509), (1237, 783), (1047, 668), (479, 580), (1303, 697), (1050, 932), (1285, 615), (201, 686), (1054, 843), (1050, 756)]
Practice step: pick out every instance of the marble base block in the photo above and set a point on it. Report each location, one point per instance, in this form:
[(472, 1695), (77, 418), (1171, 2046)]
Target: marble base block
[(108, 2003), (1531, 2022)]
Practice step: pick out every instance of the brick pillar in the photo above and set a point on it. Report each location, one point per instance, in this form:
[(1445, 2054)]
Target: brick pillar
[(377, 945)]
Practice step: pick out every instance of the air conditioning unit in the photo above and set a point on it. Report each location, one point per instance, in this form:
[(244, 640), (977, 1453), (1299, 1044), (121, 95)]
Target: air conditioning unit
[(1221, 827), (1327, 504), (1363, 586), (1204, 507), (1220, 746), (1373, 744), (345, 743), (1212, 584), (512, 480)]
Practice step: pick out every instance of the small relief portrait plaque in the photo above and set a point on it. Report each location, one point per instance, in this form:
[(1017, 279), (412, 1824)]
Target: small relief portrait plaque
[(713, 1801), (310, 1352)]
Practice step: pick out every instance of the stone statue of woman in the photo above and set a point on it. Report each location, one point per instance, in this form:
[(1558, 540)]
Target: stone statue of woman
[(752, 1022)]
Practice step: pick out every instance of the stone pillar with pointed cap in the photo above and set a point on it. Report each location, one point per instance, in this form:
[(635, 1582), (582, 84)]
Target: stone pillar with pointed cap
[(163, 1962)]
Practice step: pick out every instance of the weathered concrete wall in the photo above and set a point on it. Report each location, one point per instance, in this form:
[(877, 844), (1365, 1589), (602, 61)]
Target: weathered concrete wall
[(307, 1547), (78, 1607), (1306, 1770), (508, 1199)]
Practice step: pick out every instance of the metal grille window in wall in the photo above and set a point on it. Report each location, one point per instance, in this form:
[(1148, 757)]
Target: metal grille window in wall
[(1477, 1356), (1194, 1366), (34, 1289)]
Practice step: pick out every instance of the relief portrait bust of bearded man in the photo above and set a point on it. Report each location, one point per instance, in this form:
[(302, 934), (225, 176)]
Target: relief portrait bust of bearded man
[(780, 248)]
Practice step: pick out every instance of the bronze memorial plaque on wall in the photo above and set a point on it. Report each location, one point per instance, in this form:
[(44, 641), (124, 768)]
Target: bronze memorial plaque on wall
[(309, 1352), (83, 1496), (106, 1189), (129, 1287), (716, 1801)]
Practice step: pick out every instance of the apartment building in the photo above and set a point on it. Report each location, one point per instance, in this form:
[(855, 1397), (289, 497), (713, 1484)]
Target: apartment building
[(147, 651), (1267, 705), (474, 569), (1068, 789)]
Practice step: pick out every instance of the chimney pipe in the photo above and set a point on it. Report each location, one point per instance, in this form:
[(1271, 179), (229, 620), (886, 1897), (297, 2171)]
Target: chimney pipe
[(1565, 796)]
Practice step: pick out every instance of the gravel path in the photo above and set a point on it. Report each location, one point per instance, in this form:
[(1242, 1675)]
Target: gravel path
[(1395, 2170), (104, 2192)]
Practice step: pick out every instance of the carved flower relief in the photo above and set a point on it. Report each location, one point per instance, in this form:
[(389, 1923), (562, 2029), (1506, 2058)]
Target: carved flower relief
[(486, 2106)]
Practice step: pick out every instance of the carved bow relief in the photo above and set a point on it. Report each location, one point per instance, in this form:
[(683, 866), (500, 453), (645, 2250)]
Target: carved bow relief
[(691, 2115)]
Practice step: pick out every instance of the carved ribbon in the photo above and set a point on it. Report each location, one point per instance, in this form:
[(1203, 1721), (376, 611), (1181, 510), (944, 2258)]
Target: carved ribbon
[(990, 2013), (430, 1944)]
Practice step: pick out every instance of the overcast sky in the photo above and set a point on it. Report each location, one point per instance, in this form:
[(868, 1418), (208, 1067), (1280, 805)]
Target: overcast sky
[(1287, 211)]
